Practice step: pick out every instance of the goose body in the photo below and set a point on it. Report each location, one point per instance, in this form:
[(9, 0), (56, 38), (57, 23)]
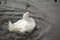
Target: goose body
[(26, 24)]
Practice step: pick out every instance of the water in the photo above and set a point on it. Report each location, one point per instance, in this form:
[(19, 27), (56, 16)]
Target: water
[(46, 15), (13, 16)]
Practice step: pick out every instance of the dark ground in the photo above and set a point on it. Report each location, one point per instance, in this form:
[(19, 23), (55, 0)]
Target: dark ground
[(45, 12)]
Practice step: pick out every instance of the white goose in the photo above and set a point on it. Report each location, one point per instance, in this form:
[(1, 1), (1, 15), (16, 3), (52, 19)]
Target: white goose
[(26, 24)]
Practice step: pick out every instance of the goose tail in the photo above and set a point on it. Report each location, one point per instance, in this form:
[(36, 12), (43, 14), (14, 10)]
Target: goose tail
[(10, 26)]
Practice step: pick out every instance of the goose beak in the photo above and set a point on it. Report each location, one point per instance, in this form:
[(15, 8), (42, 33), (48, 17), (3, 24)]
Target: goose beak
[(29, 15)]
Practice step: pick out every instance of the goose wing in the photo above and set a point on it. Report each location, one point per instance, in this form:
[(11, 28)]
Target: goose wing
[(20, 24)]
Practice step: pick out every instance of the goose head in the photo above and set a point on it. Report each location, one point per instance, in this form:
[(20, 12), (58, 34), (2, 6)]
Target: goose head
[(26, 15)]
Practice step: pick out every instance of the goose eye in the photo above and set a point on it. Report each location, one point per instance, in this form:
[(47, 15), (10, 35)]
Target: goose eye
[(27, 14)]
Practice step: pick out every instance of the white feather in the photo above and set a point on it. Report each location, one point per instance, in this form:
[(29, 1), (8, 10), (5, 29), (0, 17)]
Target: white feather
[(26, 24)]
